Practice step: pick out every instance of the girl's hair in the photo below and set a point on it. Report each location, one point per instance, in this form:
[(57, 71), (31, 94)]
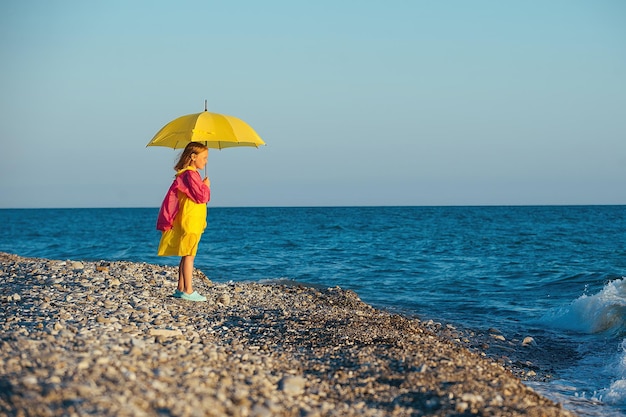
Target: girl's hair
[(192, 148)]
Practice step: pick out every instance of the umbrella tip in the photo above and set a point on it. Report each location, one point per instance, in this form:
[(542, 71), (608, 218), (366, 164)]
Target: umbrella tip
[(204, 105)]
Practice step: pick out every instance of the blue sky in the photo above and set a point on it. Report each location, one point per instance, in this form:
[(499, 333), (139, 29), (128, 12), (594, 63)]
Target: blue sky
[(360, 102)]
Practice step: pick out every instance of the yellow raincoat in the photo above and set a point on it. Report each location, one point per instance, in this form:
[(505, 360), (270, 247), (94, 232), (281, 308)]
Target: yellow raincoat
[(186, 203)]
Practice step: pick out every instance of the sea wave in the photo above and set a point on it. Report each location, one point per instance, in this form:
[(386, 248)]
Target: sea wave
[(602, 316), (604, 312)]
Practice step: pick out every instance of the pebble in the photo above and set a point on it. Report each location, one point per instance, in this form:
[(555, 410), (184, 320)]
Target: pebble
[(224, 299), (165, 332), (108, 339), (292, 385)]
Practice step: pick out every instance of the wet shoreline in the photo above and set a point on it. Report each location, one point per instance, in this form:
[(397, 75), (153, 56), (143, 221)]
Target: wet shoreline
[(107, 338)]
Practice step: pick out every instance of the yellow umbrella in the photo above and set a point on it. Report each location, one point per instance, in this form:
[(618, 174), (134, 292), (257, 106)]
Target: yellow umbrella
[(216, 131)]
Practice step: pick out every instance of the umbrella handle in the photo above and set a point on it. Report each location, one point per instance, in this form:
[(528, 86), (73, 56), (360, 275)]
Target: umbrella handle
[(207, 156)]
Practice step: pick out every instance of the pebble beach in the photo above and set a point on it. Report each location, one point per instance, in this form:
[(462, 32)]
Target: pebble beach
[(107, 339)]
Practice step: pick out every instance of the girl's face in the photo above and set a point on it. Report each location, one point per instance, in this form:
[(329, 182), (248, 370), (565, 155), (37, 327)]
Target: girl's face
[(201, 159)]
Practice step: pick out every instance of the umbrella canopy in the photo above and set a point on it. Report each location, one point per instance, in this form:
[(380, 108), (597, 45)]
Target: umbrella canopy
[(217, 131)]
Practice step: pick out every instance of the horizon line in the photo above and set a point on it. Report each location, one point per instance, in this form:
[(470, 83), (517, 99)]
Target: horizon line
[(330, 206)]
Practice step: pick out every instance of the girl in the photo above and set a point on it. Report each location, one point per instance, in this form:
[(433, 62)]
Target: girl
[(182, 217)]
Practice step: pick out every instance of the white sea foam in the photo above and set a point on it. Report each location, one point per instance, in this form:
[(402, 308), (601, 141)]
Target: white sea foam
[(616, 393), (597, 313)]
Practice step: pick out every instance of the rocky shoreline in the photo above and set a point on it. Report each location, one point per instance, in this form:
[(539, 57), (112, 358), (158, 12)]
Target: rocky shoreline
[(107, 339)]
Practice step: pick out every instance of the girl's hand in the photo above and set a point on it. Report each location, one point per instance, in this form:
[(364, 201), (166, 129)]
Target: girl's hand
[(207, 181)]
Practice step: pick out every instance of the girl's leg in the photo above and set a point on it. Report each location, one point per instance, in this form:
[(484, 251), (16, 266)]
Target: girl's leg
[(186, 266), (181, 281)]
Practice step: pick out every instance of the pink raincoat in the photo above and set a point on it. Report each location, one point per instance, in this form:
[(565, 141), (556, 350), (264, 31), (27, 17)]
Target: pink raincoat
[(182, 217)]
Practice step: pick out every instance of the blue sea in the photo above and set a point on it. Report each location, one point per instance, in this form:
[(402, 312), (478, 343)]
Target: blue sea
[(555, 273)]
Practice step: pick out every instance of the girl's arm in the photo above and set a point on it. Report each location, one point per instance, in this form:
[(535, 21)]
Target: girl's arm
[(194, 187)]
